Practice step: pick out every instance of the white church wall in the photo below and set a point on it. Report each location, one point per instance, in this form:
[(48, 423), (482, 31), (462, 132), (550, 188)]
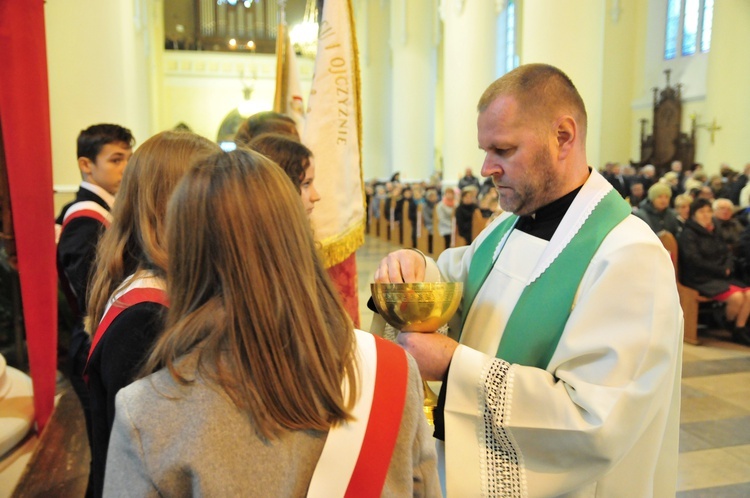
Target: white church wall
[(97, 60)]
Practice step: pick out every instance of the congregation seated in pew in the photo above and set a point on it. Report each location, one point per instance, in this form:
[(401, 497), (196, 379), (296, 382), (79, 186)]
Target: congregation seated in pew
[(706, 264), (424, 221)]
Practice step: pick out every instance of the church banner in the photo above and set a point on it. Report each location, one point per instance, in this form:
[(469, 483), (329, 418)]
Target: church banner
[(333, 133), (288, 97)]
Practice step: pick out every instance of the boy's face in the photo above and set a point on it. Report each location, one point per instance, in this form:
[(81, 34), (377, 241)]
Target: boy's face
[(106, 172)]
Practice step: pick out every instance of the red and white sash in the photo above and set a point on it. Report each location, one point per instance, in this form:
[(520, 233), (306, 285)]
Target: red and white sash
[(144, 289), (82, 209), (357, 454), (87, 209)]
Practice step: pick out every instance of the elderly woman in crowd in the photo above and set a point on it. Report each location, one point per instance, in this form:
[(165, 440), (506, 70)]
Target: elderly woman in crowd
[(682, 210), (727, 226), (655, 210), (707, 265)]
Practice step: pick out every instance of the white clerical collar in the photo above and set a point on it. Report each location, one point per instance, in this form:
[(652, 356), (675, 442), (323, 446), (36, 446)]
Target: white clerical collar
[(106, 196)]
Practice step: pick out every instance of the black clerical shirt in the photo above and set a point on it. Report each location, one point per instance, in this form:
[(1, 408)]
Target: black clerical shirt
[(546, 219)]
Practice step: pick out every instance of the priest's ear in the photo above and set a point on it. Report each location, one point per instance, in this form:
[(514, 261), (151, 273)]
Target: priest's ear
[(567, 133)]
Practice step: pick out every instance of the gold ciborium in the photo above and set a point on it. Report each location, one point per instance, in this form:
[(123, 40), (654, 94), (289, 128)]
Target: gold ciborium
[(418, 307)]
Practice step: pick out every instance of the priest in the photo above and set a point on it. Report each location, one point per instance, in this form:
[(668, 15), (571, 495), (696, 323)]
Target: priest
[(565, 377)]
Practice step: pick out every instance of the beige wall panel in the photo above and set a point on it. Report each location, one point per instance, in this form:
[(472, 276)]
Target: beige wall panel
[(573, 40)]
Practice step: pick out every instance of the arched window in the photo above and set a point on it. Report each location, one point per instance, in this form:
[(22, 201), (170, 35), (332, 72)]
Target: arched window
[(507, 57), (511, 59), (688, 27)]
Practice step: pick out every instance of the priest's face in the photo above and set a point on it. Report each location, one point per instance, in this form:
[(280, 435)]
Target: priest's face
[(518, 157)]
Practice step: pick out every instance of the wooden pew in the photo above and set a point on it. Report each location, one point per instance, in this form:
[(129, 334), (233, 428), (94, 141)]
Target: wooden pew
[(456, 239), (438, 242), (393, 233), (406, 226), (478, 223), (383, 222), (423, 237), (394, 230), (380, 222), (369, 219)]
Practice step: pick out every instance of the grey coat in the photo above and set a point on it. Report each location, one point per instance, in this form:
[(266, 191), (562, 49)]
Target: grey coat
[(175, 440)]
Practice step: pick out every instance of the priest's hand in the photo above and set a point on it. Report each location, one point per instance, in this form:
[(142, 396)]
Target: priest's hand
[(405, 265), (433, 352)]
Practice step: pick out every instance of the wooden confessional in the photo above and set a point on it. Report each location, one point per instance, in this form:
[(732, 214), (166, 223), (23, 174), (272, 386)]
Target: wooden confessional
[(667, 142)]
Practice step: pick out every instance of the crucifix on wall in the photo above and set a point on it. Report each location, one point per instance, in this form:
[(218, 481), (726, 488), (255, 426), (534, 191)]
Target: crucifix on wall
[(711, 128)]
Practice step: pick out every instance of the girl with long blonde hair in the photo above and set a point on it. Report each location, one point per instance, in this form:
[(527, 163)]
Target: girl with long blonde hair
[(127, 299), (262, 386)]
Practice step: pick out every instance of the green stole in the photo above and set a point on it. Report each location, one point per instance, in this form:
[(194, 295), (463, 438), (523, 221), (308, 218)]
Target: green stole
[(539, 317)]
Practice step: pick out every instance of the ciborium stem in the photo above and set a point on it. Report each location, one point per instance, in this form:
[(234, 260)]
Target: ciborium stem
[(430, 402)]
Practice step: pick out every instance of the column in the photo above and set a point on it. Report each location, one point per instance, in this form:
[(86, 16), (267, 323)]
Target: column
[(413, 41), (372, 21), (98, 64), (546, 36), (469, 31), (727, 101)]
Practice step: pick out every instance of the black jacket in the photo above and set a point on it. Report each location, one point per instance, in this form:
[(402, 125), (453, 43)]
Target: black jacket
[(114, 364), (76, 249), (464, 217), (704, 260)]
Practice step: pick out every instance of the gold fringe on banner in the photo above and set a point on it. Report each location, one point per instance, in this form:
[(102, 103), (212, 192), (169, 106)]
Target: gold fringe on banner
[(336, 249)]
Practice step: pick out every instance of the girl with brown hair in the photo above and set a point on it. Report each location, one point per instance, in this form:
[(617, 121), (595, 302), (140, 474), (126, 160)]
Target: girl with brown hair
[(262, 386), (295, 159), (127, 298)]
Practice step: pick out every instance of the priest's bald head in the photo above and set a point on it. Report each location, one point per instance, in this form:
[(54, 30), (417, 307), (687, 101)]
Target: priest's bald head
[(542, 91), (532, 128)]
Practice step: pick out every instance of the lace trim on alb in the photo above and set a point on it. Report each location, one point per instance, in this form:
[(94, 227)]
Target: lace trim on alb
[(500, 464)]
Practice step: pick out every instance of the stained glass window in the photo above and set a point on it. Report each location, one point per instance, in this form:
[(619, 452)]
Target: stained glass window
[(688, 27), (510, 37), (673, 25), (506, 58), (708, 18)]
